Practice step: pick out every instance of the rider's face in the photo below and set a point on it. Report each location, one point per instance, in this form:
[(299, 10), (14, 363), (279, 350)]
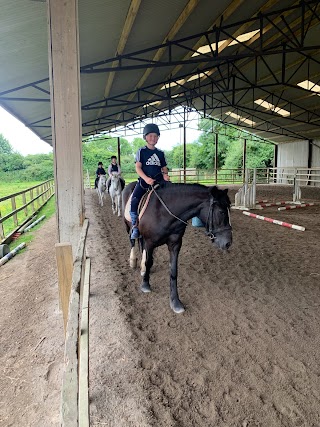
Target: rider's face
[(152, 139)]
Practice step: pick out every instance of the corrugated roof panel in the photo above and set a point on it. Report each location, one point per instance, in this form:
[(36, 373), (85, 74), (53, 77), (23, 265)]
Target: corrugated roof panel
[(23, 58)]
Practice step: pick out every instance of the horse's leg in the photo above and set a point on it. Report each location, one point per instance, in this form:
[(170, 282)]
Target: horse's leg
[(119, 206), (143, 262), (133, 254), (113, 204), (174, 249), (145, 286)]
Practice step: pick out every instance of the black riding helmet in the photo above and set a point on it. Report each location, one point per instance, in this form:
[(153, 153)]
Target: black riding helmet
[(150, 128)]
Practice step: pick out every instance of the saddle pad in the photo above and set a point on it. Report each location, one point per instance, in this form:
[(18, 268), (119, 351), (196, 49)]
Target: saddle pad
[(142, 205), (127, 209)]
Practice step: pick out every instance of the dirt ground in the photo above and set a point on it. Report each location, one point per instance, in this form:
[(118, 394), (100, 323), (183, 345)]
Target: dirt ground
[(245, 353)]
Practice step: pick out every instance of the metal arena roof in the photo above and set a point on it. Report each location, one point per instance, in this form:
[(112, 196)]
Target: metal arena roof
[(255, 64)]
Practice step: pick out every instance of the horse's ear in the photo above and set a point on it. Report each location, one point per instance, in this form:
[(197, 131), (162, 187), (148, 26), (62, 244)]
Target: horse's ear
[(214, 191)]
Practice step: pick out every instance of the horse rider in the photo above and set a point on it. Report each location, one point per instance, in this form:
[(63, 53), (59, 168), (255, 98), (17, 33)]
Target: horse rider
[(99, 171), (114, 167), (151, 166)]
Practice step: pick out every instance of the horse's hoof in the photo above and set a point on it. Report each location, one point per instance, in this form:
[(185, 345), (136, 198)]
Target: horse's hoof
[(177, 307), (145, 287)]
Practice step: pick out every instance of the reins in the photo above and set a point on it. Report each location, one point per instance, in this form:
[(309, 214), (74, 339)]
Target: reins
[(166, 207), (210, 231)]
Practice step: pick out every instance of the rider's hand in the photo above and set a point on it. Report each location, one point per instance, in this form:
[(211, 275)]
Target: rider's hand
[(150, 181), (166, 177)]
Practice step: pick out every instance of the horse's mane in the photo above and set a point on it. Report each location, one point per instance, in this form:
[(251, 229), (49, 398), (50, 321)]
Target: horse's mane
[(178, 189), (182, 188)]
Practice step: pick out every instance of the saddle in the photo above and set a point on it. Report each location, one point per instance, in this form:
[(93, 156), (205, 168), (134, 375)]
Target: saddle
[(141, 208)]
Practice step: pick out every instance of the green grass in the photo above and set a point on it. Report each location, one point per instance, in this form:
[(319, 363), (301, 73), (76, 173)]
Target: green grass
[(8, 188), (48, 210), (5, 207)]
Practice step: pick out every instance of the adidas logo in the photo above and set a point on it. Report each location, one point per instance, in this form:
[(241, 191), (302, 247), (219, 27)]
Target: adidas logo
[(153, 160)]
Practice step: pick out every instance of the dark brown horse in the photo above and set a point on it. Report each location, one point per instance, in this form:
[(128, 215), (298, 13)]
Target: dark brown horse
[(164, 222)]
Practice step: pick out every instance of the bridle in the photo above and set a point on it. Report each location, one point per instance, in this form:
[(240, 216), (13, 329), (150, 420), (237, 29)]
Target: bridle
[(210, 230)]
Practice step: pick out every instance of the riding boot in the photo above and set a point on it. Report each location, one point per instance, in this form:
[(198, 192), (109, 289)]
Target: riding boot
[(134, 220)]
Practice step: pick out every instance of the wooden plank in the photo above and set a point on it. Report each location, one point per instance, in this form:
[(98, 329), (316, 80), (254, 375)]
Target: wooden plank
[(81, 250), (69, 397), (64, 259), (70, 381), (14, 207), (84, 420)]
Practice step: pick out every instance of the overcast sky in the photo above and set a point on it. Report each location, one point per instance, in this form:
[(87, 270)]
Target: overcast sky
[(20, 137), (26, 142)]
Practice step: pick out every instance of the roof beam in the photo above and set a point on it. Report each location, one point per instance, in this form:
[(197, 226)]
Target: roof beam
[(131, 16)]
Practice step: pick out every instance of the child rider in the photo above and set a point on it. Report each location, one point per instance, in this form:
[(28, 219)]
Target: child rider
[(151, 166)]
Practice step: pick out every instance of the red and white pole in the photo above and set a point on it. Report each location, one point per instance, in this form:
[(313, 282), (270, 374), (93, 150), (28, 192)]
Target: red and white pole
[(283, 208), (275, 221), (265, 205)]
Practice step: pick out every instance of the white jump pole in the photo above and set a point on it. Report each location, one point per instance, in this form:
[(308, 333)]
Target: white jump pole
[(34, 223), (296, 190), (275, 221), (245, 197), (11, 254)]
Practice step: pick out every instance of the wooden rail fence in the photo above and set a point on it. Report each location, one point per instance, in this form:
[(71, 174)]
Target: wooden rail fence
[(24, 205), (279, 175)]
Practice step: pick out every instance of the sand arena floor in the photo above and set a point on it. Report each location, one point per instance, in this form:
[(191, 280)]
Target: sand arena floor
[(245, 353)]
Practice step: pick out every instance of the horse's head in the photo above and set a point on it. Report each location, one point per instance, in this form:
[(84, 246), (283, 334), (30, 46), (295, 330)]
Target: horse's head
[(102, 180), (115, 180), (218, 225)]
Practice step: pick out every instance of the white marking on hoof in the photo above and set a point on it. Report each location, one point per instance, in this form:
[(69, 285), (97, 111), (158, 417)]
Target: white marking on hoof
[(177, 310), (143, 263), (133, 263), (133, 258)]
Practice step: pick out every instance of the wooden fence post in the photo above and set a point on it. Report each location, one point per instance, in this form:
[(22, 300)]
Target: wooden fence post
[(1, 229), (65, 269)]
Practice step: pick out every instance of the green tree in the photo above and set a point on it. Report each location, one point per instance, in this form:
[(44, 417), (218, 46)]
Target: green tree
[(100, 149), (137, 143), (38, 167), (125, 148), (5, 147), (204, 150), (258, 154), (11, 162), (176, 156)]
